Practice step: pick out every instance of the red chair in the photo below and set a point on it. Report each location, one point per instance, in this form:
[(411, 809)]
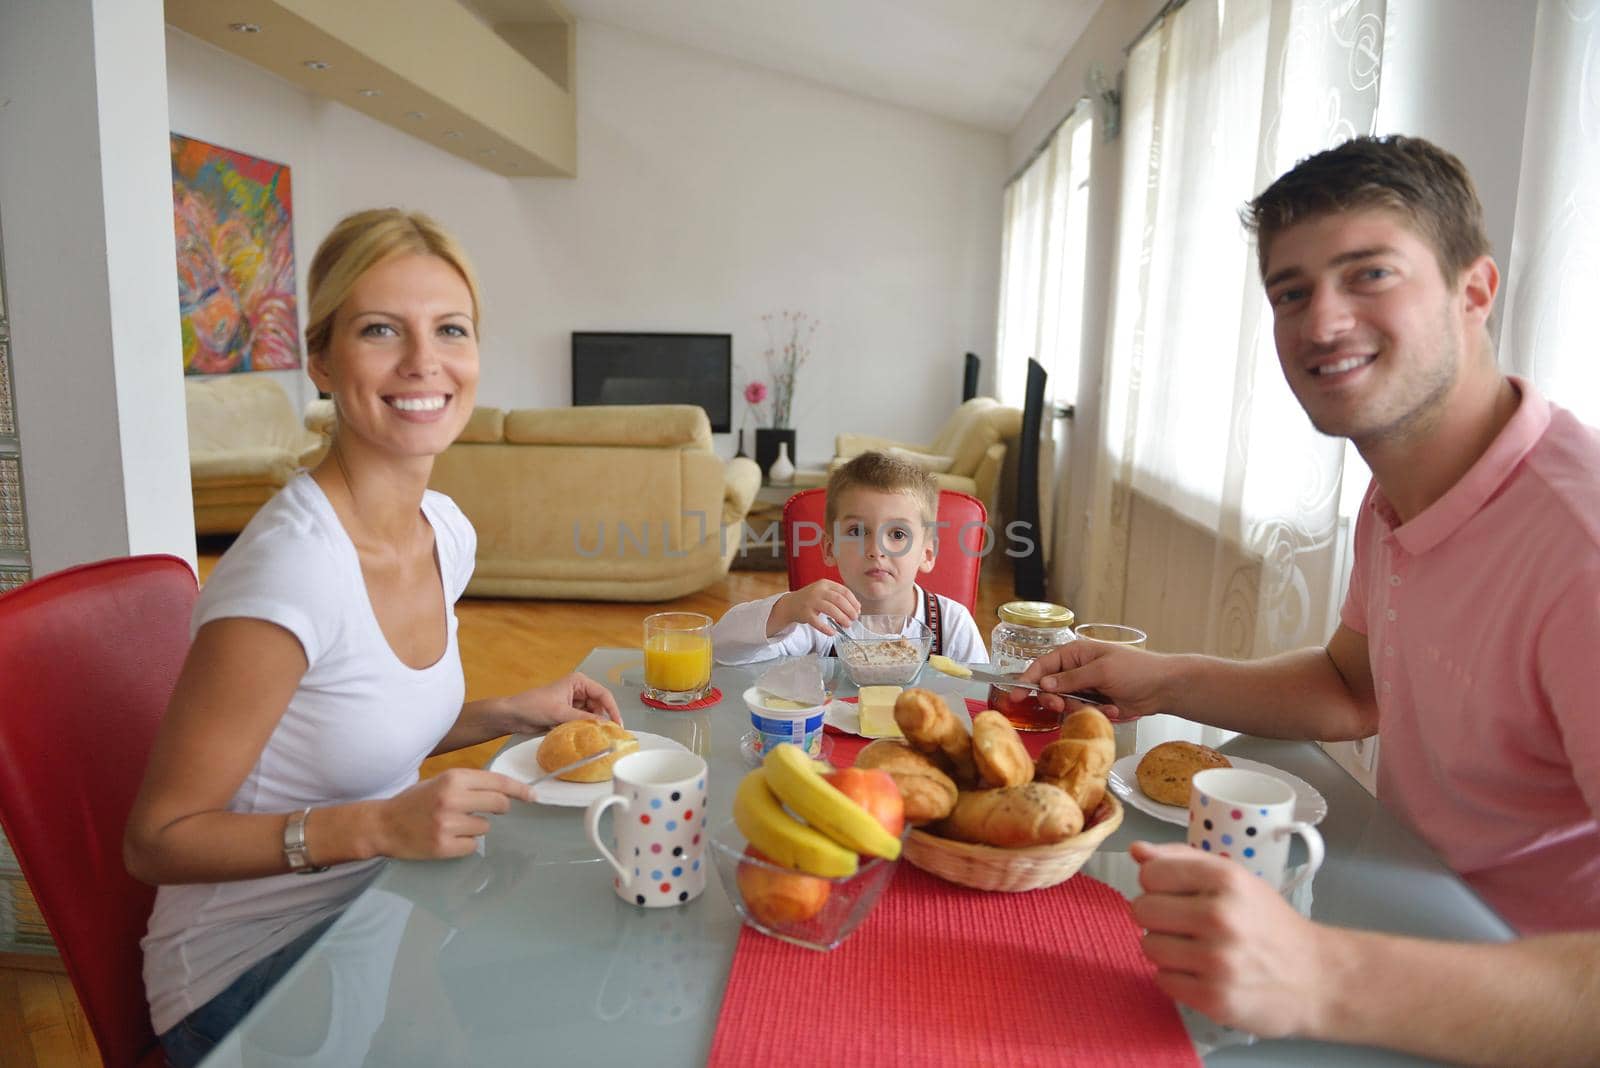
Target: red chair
[(88, 663), (963, 543)]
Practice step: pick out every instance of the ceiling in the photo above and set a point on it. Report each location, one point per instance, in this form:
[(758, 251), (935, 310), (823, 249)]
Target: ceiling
[(980, 62)]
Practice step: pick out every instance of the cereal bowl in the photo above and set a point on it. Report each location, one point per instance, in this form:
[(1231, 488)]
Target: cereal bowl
[(805, 910), (884, 650)]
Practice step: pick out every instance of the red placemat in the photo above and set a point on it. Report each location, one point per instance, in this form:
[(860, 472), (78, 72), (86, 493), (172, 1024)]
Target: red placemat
[(846, 746), (940, 974), (712, 696)]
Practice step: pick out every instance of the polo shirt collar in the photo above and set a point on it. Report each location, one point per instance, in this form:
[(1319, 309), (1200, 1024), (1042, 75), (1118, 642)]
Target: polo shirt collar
[(1483, 479)]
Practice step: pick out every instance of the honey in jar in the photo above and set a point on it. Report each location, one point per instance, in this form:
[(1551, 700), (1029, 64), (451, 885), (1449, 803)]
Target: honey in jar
[(1026, 631)]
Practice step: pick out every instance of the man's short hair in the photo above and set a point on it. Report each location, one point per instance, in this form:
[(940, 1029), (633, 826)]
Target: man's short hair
[(885, 474), (1418, 180)]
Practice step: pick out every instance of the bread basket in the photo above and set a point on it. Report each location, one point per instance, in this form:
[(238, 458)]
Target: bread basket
[(989, 868)]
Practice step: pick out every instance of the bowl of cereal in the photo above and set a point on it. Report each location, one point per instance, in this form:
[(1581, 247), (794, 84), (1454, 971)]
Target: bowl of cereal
[(883, 650)]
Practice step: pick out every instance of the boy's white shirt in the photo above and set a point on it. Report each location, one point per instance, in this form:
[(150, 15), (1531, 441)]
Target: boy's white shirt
[(740, 636)]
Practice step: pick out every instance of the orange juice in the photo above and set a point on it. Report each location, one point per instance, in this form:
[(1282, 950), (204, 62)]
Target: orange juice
[(676, 662)]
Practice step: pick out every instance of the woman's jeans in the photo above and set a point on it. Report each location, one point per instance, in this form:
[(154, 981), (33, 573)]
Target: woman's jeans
[(194, 1036)]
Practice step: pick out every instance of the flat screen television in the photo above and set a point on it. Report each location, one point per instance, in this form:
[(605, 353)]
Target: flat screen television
[(618, 368)]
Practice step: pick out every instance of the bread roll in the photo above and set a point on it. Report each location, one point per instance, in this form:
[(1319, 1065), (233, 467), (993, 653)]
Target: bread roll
[(930, 726), (1032, 814), (998, 751), (1079, 761), (929, 794), (1165, 772), (578, 738)]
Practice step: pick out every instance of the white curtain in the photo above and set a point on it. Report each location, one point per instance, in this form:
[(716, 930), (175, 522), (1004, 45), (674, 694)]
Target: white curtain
[(1555, 248), (1214, 505)]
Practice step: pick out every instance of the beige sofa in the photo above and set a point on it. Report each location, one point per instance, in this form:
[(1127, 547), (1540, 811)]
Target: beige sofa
[(624, 503), (969, 453), (245, 442)]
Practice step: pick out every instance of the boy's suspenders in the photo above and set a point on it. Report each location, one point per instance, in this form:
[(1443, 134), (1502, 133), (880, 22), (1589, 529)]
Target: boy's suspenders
[(935, 618)]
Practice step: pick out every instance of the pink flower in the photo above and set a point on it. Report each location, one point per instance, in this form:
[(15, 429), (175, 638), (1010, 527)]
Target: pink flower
[(755, 393)]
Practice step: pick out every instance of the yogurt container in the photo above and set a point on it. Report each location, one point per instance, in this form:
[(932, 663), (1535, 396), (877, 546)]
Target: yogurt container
[(776, 720)]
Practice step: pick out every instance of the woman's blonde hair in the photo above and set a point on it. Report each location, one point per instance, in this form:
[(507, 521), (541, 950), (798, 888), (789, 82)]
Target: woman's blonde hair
[(361, 241)]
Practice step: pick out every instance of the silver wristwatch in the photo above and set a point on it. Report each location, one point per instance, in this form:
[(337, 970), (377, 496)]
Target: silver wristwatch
[(294, 844)]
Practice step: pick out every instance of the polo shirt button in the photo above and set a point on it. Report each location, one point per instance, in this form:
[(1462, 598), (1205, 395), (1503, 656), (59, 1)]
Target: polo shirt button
[(1390, 614), (1387, 687), (1388, 650), (1394, 580)]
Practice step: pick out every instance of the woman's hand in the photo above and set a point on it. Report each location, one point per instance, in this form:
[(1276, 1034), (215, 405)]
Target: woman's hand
[(444, 816), (575, 696), (1131, 678)]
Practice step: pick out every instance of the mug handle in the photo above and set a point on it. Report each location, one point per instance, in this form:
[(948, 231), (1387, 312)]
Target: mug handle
[(591, 827), (1314, 851)]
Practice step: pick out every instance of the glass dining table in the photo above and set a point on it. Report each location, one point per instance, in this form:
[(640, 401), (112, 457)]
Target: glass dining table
[(521, 953)]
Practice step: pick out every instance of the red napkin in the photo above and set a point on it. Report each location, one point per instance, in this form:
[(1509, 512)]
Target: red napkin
[(846, 746), (939, 974)]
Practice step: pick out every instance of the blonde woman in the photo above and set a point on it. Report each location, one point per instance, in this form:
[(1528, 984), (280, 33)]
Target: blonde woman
[(324, 666)]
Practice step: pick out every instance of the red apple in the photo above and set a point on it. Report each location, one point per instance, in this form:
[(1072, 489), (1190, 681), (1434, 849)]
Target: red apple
[(780, 898), (874, 790)]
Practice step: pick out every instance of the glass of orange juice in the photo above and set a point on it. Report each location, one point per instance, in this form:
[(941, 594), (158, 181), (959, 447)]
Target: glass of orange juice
[(677, 657)]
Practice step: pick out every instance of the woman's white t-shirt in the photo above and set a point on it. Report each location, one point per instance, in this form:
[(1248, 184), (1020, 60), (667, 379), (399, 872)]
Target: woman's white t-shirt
[(357, 728)]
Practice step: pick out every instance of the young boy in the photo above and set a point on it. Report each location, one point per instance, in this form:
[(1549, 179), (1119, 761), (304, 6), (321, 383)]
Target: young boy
[(880, 535)]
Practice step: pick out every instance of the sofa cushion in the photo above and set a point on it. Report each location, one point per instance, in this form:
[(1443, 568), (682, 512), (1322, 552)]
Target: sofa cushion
[(937, 465), (242, 412), (642, 425), (486, 427)]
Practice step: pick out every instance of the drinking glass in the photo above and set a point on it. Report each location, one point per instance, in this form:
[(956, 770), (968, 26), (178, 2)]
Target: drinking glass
[(677, 657), (1126, 734)]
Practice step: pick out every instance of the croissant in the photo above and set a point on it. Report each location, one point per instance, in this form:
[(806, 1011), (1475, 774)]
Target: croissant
[(929, 794), (930, 726), (1081, 758), (1014, 816), (998, 751)]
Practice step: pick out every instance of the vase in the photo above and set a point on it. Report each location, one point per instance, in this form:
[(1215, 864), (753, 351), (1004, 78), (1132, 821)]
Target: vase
[(767, 441), (741, 452), (782, 472)]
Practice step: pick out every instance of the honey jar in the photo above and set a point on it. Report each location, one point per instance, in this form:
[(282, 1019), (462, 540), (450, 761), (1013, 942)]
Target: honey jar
[(1026, 631)]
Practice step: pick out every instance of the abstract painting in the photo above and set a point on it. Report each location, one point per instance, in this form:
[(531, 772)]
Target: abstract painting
[(236, 285)]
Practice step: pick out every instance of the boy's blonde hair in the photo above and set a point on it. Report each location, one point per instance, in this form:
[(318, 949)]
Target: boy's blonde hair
[(884, 474), (357, 244)]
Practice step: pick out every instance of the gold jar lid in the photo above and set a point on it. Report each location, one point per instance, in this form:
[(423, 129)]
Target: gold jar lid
[(1040, 614)]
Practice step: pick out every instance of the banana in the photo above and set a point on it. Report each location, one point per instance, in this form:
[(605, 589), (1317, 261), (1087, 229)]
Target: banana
[(780, 836), (795, 779)]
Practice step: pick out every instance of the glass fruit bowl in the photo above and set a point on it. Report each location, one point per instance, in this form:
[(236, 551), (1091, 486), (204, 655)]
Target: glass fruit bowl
[(883, 650), (806, 910)]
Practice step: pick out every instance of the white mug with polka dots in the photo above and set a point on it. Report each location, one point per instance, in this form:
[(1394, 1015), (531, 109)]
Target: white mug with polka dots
[(659, 827), (1248, 817)]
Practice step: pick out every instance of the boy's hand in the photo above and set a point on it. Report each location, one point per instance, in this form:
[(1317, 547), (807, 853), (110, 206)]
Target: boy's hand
[(814, 604)]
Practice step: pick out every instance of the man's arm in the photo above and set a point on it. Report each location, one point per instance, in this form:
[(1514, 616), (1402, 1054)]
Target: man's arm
[(1325, 694), (1224, 942)]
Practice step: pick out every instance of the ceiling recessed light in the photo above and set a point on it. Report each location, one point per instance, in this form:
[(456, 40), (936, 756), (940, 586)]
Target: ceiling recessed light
[(317, 64), (453, 134), (370, 92), (415, 115), (244, 27)]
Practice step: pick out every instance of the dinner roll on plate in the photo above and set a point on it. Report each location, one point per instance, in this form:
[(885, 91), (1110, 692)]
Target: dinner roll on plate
[(1165, 771), (578, 738)]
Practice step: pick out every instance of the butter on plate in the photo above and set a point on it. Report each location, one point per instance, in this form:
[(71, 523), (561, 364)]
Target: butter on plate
[(876, 705)]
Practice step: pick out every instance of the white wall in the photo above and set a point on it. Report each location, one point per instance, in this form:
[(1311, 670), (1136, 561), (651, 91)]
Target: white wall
[(708, 193), (86, 207)]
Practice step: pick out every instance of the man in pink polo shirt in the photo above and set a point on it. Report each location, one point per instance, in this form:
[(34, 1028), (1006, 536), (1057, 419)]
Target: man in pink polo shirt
[(1469, 642)]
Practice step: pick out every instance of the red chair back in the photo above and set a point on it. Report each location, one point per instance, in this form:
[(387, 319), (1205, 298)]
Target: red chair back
[(962, 542), (87, 665)]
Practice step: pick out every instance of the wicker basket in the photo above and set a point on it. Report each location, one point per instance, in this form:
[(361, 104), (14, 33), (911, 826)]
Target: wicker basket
[(988, 868)]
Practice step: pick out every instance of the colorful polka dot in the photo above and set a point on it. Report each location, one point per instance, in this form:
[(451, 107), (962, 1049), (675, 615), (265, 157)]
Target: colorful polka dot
[(1204, 801), (688, 813), (695, 866), (677, 872), (1251, 831), (677, 851), (644, 817), (695, 840), (1238, 815), (1227, 839), (672, 825), (701, 785), (655, 802), (1208, 825), (1263, 812), (638, 899), (656, 875), (666, 888), (684, 896), (1205, 844), (677, 796), (1250, 852)]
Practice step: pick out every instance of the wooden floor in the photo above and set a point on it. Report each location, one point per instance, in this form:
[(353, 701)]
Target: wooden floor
[(506, 646)]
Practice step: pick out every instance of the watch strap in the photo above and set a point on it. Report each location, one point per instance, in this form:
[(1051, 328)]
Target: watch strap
[(294, 844)]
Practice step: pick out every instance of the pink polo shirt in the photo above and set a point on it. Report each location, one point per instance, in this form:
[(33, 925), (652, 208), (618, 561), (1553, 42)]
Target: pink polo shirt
[(1482, 617)]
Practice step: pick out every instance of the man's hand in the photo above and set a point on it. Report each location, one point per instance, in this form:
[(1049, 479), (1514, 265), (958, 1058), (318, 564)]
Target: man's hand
[(576, 696), (1132, 678), (814, 604), (1224, 942)]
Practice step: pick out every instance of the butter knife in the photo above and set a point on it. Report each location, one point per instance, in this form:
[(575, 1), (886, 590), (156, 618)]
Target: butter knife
[(1012, 682)]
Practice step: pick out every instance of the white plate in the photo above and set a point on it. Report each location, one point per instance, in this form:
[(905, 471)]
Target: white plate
[(1309, 805), (521, 761)]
